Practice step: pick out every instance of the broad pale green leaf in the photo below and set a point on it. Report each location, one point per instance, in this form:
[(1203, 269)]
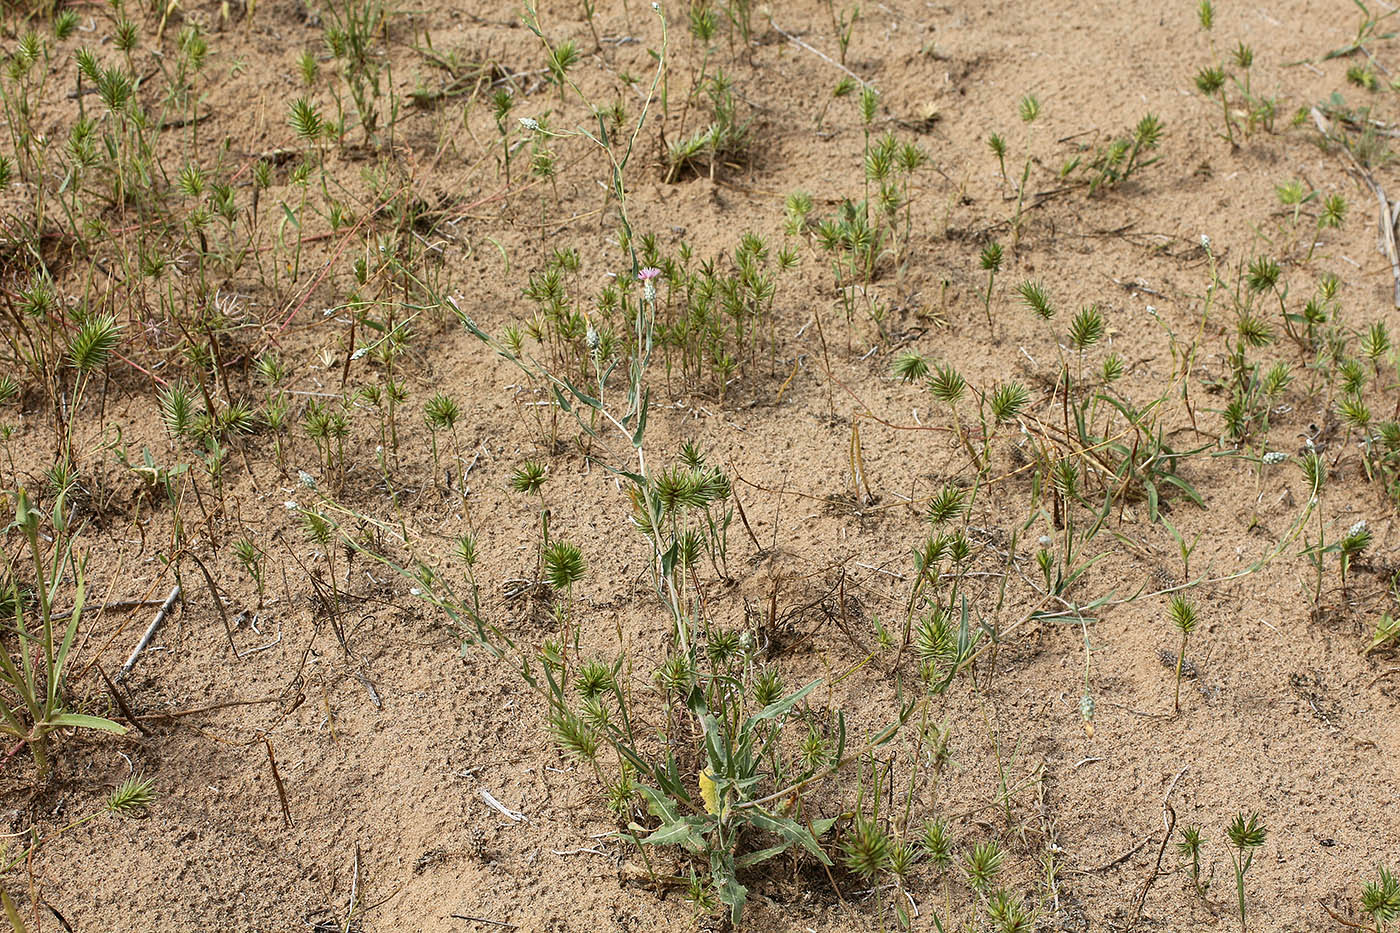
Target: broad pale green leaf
[(582, 396), (762, 855), (83, 721), (1185, 487), (731, 892), (659, 804), (788, 829), (688, 832), (641, 419)]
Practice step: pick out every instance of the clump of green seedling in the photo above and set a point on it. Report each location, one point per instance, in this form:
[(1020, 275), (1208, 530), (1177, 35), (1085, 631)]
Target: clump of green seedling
[(1189, 845), (1086, 329), (440, 413), (563, 566), (1123, 156), (843, 25), (726, 821), (864, 233), (1354, 129), (502, 102), (1333, 213), (36, 673), (726, 137), (910, 366), (938, 621), (1387, 633), (721, 811), (949, 387), (89, 351), (1363, 76), (843, 88), (1029, 111), (855, 243), (1293, 196), (982, 864), (1252, 389), (1380, 899), (990, 260), (132, 798), (998, 407), (560, 60), (1184, 620), (1367, 31), (1212, 80), (891, 166), (867, 847), (1349, 547), (352, 31), (715, 318), (1246, 835), (328, 427), (252, 559), (880, 849), (689, 510), (528, 479)]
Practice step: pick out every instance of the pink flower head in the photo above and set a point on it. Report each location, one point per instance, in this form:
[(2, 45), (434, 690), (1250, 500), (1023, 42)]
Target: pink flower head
[(650, 272)]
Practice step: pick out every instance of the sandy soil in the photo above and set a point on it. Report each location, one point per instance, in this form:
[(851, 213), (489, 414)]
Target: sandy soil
[(386, 744)]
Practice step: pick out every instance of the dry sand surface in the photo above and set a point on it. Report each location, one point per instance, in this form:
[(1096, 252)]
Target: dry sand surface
[(390, 738)]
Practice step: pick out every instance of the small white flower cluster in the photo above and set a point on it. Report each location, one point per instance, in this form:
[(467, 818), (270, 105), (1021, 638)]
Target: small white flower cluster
[(307, 479), (1205, 242), (530, 123), (1273, 458), (1358, 529)]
